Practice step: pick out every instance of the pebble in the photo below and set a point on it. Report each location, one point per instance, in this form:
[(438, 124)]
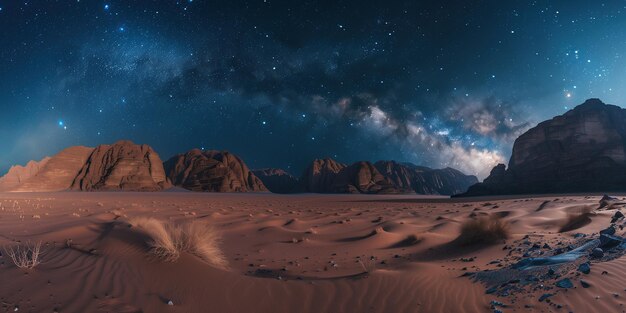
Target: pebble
[(584, 268)]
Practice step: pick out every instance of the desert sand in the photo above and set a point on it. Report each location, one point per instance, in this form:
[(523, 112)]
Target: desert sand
[(299, 253)]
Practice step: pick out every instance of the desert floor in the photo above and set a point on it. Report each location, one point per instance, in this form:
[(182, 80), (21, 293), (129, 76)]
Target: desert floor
[(298, 253)]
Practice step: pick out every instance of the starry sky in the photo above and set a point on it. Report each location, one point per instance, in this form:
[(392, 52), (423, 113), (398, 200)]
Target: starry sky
[(435, 83)]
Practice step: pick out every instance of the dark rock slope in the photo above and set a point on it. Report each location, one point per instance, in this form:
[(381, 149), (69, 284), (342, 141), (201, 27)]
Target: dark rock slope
[(277, 180), (583, 150)]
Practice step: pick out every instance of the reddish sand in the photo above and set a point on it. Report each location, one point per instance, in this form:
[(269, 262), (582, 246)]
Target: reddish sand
[(286, 253)]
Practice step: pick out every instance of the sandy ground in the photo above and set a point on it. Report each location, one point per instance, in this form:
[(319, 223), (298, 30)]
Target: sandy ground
[(292, 253)]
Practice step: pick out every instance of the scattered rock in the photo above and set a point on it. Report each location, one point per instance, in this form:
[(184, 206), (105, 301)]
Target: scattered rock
[(617, 216), (585, 284), (584, 268), (545, 296), (597, 253), (564, 283)]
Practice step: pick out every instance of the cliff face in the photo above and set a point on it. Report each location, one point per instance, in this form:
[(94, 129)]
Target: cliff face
[(19, 174), (122, 166), (212, 171), (383, 177), (57, 173), (277, 180), (582, 150), (423, 180)]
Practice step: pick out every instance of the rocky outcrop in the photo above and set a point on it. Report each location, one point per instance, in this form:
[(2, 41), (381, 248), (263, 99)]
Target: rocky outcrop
[(212, 171), (423, 180), (277, 180), (122, 166), (384, 177), (57, 173), (19, 174), (583, 150), (320, 176)]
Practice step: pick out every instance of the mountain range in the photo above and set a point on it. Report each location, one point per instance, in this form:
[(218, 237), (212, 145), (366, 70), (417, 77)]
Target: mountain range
[(125, 166)]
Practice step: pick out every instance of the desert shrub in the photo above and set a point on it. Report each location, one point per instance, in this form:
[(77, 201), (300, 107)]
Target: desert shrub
[(578, 218), (168, 240), (25, 256), (483, 230)]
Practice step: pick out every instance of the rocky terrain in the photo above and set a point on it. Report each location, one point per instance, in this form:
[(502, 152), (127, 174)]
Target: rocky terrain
[(212, 171), (583, 150), (121, 166)]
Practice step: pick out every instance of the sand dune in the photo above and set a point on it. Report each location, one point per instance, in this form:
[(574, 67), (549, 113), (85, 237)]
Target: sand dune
[(299, 253)]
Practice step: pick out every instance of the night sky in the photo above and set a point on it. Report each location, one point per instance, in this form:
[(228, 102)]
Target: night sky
[(281, 83)]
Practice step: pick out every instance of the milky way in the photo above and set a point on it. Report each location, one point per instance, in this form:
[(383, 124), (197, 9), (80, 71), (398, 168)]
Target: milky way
[(282, 83)]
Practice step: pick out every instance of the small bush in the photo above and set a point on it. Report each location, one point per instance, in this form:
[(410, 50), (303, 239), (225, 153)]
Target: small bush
[(168, 240), (484, 230), (26, 256)]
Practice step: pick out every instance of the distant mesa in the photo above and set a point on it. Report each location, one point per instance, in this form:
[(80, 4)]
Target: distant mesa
[(583, 150), (278, 180), (212, 171), (122, 166)]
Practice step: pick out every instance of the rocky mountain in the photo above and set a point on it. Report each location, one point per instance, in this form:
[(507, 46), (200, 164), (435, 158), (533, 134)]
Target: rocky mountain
[(277, 180), (122, 166), (18, 174), (582, 150), (383, 177), (213, 171), (423, 180), (57, 173)]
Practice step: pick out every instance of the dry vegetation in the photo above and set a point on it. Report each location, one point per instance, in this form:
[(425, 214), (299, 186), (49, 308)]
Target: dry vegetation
[(26, 256), (578, 218), (483, 230), (169, 240)]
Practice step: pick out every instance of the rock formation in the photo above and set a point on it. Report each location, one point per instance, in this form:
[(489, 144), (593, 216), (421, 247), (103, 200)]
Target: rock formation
[(383, 177), (121, 166), (213, 171), (57, 173), (423, 180), (277, 180), (19, 174), (583, 150)]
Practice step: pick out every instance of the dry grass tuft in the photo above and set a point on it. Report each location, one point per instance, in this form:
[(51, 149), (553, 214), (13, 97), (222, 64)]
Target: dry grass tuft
[(578, 218), (483, 230), (169, 240), (26, 256)]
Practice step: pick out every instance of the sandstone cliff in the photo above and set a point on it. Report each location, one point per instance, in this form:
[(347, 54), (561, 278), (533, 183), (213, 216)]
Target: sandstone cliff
[(212, 171), (582, 150)]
